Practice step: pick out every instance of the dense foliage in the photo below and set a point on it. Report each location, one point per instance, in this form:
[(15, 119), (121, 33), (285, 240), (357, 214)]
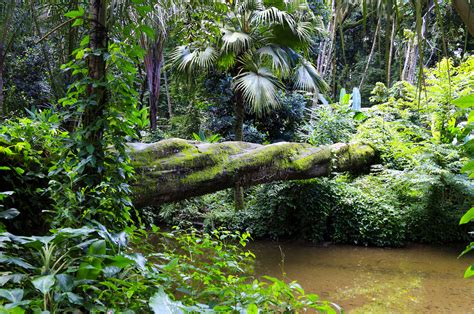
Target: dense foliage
[(79, 79)]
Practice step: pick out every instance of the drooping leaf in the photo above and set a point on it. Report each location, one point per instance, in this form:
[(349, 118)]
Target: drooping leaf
[(44, 283), (467, 217), (161, 303), (465, 101), (9, 213), (12, 295)]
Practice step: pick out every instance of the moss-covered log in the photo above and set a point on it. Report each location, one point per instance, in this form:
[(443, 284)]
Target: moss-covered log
[(176, 169)]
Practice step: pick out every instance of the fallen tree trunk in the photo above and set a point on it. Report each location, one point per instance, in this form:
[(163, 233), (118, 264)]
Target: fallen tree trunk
[(175, 169)]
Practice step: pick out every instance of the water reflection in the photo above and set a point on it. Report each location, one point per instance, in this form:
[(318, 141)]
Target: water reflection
[(415, 279)]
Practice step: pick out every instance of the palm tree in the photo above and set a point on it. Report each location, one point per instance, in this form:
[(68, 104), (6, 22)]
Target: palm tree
[(261, 44)]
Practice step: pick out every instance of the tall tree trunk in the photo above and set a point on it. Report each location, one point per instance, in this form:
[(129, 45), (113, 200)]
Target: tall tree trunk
[(97, 91), (153, 64), (2, 109), (239, 108), (466, 12), (167, 90), (372, 50)]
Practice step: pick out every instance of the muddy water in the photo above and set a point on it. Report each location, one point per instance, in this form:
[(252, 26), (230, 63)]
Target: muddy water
[(415, 279)]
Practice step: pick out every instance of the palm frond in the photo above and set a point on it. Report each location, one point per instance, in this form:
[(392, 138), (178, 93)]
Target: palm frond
[(259, 89), (273, 16), (277, 56), (234, 41), (307, 78), (187, 60)]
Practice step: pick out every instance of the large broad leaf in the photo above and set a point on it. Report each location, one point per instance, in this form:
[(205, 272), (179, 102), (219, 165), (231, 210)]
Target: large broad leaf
[(65, 282), (467, 217), (465, 101), (44, 283), (160, 303), (356, 99), (15, 278), (9, 213), (469, 272), (12, 295), (11, 260)]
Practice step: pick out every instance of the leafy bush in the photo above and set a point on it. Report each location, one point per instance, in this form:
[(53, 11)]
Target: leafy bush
[(328, 124), (28, 148), (90, 269)]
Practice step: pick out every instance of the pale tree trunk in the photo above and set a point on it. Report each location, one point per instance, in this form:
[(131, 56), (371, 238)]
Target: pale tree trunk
[(176, 169), (390, 52), (372, 51), (167, 90)]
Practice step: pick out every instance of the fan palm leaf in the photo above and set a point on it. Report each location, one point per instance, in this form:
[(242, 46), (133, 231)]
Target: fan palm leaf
[(278, 58), (234, 41), (187, 60), (307, 78), (259, 89)]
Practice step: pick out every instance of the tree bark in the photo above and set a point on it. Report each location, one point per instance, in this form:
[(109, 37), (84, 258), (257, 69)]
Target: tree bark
[(176, 169), (94, 112), (2, 111), (466, 12)]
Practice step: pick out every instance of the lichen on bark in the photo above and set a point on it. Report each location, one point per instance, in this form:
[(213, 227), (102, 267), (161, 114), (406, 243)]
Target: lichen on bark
[(176, 169)]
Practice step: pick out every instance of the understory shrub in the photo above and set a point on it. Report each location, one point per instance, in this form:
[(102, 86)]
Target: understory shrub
[(28, 148), (92, 270)]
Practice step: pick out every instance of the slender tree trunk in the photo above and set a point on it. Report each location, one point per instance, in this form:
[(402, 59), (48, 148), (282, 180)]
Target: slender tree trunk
[(2, 109), (239, 136), (372, 50), (167, 90), (153, 64), (97, 91), (389, 53), (56, 86)]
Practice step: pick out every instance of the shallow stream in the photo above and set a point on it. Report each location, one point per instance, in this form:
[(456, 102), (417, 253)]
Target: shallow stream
[(414, 279)]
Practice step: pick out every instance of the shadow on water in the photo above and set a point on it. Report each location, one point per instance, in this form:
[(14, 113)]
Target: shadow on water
[(414, 279)]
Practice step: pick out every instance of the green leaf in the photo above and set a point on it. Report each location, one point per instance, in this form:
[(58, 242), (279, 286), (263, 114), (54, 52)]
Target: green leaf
[(9, 213), (12, 295), (44, 283), (78, 22), (465, 101), (148, 31), (467, 217), (160, 303), (469, 272), (252, 309), (85, 41), (65, 282), (75, 13), (97, 248)]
